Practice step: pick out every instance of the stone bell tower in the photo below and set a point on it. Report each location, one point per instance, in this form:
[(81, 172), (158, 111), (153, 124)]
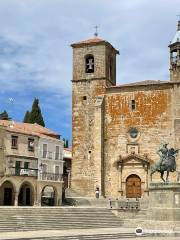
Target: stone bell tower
[(94, 68), (175, 56)]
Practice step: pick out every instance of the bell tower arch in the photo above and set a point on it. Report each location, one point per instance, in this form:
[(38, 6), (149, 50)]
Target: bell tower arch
[(175, 56)]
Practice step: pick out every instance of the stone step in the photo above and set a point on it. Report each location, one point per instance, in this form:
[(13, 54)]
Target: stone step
[(55, 223), (24, 219)]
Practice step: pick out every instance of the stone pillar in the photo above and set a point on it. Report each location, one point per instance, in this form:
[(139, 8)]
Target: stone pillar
[(37, 199), (58, 200), (16, 198), (38, 194), (120, 179)]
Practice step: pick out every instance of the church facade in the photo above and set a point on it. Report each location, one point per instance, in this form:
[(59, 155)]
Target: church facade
[(117, 129)]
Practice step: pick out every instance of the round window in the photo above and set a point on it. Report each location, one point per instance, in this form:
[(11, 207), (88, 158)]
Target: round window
[(133, 132)]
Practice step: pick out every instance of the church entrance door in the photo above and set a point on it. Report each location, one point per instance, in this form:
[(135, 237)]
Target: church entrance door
[(133, 186)]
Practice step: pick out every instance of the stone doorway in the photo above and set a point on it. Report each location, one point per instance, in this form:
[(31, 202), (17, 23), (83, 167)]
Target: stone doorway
[(7, 194), (133, 186), (25, 197)]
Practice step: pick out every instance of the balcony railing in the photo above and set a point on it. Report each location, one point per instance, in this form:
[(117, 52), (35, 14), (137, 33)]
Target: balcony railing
[(13, 171), (51, 155), (50, 176)]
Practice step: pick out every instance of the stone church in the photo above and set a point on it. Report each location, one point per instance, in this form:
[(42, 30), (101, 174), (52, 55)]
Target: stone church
[(117, 129)]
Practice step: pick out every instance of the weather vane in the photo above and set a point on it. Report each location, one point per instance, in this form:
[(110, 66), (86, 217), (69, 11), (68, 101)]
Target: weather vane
[(96, 31)]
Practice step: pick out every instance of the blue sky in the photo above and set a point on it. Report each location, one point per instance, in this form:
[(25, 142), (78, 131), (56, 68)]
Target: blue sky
[(36, 57)]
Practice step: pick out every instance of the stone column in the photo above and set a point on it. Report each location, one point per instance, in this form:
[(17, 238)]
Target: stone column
[(38, 194), (58, 200), (16, 198), (120, 179)]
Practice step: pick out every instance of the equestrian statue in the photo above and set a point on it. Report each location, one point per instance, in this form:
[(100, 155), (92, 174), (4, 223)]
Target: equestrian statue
[(167, 162)]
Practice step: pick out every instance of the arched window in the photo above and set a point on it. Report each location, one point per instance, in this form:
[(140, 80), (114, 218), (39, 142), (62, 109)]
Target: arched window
[(89, 64), (111, 69)]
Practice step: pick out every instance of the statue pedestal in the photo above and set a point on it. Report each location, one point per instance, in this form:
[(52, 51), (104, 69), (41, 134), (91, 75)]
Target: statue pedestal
[(164, 201)]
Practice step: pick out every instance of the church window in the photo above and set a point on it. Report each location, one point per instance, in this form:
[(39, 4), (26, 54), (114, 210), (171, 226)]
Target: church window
[(89, 62), (133, 105), (133, 132), (111, 69)]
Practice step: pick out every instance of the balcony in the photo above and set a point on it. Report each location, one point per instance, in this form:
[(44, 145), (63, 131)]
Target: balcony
[(51, 155), (50, 176), (30, 172)]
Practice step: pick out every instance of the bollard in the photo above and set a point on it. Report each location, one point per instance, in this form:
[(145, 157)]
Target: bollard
[(139, 231)]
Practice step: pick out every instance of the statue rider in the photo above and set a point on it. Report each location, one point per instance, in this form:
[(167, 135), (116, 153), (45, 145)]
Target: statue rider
[(163, 153), (173, 153)]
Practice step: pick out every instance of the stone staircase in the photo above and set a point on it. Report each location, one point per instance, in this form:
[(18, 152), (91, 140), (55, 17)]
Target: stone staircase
[(52, 218)]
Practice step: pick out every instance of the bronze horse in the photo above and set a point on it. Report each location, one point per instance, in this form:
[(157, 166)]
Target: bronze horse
[(167, 165)]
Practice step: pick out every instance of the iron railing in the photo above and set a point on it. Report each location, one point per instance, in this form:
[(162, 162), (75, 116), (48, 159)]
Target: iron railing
[(31, 172), (51, 155), (50, 176), (124, 204)]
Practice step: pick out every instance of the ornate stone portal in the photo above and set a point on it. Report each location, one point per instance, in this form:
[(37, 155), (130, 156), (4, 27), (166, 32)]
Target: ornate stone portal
[(133, 175)]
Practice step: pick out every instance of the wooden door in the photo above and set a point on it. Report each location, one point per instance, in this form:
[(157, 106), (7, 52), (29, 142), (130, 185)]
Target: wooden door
[(133, 186)]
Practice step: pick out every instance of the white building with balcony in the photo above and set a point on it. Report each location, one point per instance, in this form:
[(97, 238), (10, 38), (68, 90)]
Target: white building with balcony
[(31, 165)]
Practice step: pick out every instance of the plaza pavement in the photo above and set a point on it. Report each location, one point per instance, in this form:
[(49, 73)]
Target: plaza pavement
[(108, 233)]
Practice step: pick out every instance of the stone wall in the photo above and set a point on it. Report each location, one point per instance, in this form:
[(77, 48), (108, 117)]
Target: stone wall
[(86, 146), (153, 118)]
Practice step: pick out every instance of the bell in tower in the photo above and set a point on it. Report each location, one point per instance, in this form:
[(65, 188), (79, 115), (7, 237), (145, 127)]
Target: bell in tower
[(175, 56)]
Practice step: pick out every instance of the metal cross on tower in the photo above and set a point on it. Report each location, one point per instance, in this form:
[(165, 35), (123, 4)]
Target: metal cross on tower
[(96, 31)]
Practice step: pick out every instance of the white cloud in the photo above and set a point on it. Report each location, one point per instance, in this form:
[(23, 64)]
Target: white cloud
[(38, 34), (35, 38)]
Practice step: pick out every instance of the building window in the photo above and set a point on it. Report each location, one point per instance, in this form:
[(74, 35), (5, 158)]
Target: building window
[(57, 153), (89, 62), (44, 169), (17, 168), (31, 144), (26, 165), (14, 142), (133, 105), (44, 153)]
